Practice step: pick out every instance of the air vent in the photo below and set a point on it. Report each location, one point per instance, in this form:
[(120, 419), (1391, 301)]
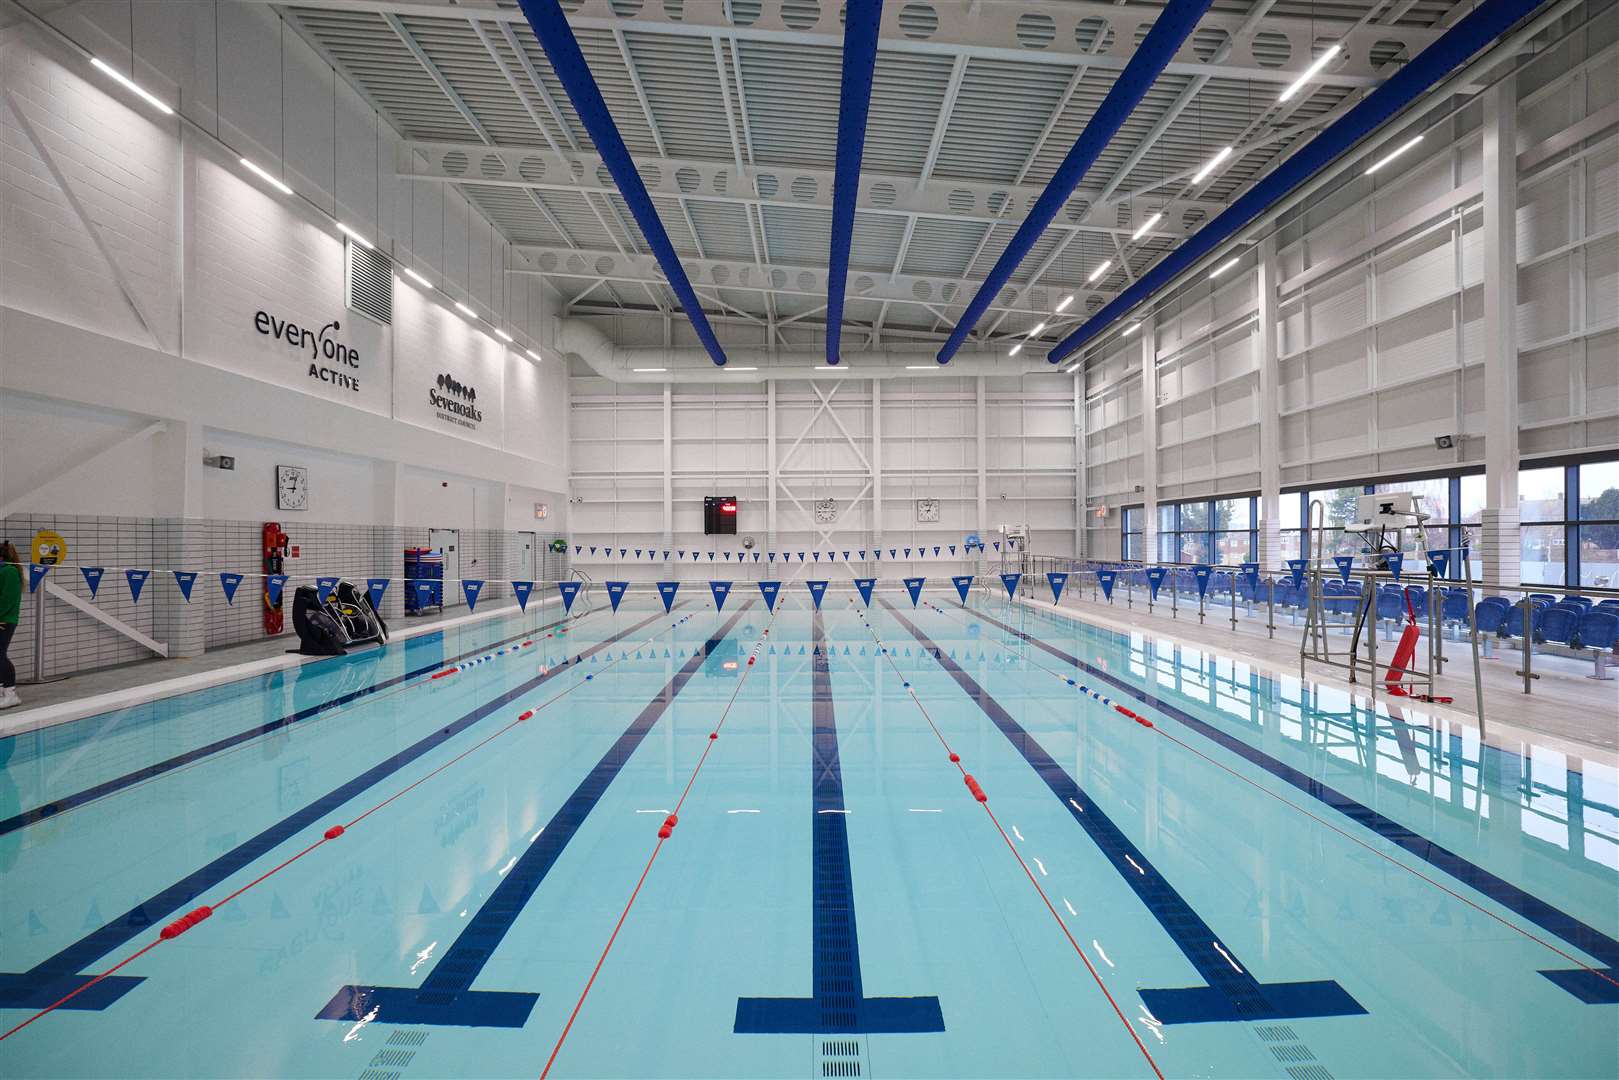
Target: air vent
[(370, 283)]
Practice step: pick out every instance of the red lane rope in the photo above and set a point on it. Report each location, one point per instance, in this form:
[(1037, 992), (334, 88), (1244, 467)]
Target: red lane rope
[(665, 830), (1347, 835), (186, 922), (977, 792)]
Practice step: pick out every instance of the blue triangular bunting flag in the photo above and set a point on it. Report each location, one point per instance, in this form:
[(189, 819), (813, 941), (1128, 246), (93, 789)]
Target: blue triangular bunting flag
[(228, 583), (1439, 559), (374, 588), (666, 592), (913, 585), (36, 574), (637, 553), (864, 585), (817, 591), (1396, 561), (521, 590), (1250, 572), (471, 587), (1058, 579), (273, 586), (1346, 563), (962, 582), (769, 589), (1010, 581), (1200, 575), (935, 551), (186, 579), (615, 592), (720, 589), (569, 591), (1155, 579), (1106, 578), (952, 549), (137, 582), (92, 578), (1296, 568), (324, 587)]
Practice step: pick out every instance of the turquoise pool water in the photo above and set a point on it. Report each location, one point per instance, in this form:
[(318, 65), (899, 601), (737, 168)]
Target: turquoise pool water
[(1263, 883)]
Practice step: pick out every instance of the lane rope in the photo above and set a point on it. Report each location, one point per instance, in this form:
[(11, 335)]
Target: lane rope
[(179, 926)]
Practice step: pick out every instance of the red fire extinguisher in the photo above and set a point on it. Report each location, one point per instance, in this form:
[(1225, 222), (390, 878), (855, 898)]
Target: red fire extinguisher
[(275, 553)]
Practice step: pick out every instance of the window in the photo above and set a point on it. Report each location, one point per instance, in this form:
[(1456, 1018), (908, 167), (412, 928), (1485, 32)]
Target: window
[(1220, 531), (1134, 518), (1543, 533), (1598, 528)]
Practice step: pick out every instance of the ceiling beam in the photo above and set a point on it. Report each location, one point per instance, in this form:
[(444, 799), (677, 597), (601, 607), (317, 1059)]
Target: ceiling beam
[(1019, 31), (701, 180)]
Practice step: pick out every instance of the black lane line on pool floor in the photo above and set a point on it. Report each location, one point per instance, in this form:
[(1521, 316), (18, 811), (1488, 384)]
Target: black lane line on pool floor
[(839, 1004), (44, 985), (446, 997), (1592, 985), (100, 790), (1231, 993)]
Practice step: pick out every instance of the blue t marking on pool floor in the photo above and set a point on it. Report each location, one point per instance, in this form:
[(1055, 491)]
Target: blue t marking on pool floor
[(446, 996), (840, 1005), (1594, 986), (51, 978), (158, 768), (1232, 993)]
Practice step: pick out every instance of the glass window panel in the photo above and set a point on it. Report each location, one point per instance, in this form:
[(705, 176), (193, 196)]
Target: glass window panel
[(1132, 545), (1234, 514), (1472, 499), (1232, 548), (1290, 544), (1542, 554), (1132, 519), (1289, 518), (1540, 495), (1166, 518), (1166, 547), (1599, 491), (1194, 547), (1194, 516), (1339, 503)]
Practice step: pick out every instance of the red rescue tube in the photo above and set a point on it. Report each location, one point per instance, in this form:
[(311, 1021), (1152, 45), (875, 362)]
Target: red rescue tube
[(334, 832)]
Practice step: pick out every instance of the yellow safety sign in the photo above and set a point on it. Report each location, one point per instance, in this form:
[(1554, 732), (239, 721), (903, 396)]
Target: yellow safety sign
[(50, 547)]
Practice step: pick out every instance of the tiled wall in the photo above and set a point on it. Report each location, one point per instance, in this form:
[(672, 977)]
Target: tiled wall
[(76, 642)]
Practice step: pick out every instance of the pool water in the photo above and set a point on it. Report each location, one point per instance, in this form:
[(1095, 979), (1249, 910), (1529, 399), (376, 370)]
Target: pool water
[(1264, 882)]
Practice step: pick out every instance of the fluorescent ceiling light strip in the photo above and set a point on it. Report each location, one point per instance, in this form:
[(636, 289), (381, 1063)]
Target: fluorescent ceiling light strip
[(728, 367), (1408, 144), (356, 237), (1146, 226), (532, 355), (1065, 302), (502, 335), (923, 367), (1132, 328), (414, 276), (125, 80), (648, 370), (1016, 349), (1223, 267), (1100, 270), (1210, 165), (1310, 72), (828, 367), (258, 171), (463, 309), (1037, 328)]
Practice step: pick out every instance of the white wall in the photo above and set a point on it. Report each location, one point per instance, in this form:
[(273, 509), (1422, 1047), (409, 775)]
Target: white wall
[(136, 255), (1379, 339)]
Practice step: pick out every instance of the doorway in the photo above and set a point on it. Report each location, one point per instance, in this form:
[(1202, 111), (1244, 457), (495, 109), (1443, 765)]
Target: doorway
[(448, 541)]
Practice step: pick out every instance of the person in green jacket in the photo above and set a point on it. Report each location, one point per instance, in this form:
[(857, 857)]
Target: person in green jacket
[(10, 611)]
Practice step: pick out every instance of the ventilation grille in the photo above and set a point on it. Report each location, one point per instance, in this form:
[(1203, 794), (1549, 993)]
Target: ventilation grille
[(370, 283)]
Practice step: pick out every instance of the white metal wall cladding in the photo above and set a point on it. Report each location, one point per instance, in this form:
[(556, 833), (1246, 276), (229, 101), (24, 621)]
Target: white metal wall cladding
[(1379, 338), (248, 253), (432, 341)]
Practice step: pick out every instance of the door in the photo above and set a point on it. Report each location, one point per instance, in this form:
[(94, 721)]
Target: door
[(527, 556), (449, 542)]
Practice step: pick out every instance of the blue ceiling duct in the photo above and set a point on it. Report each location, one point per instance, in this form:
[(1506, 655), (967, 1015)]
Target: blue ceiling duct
[(1477, 29), (556, 38), (862, 20), (1151, 57)]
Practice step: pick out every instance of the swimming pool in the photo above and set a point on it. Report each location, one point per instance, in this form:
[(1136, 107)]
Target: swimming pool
[(1263, 882)]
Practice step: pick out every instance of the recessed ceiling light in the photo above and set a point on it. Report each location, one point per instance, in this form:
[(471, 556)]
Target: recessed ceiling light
[(151, 99), (356, 237), (1310, 72), (266, 177), (1210, 165)]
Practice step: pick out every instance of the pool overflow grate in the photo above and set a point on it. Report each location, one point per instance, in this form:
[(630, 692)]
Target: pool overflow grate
[(842, 1057), (1309, 1072), (389, 1063), (1289, 1050), (407, 1037)]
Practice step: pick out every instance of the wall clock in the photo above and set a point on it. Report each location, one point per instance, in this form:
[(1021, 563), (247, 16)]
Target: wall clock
[(291, 487), (927, 509), (826, 510)]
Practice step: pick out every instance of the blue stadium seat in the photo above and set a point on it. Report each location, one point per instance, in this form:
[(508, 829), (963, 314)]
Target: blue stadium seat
[(1599, 632), (1584, 601), (1453, 608), (1491, 613), (1557, 624), (1543, 596), (1513, 626)]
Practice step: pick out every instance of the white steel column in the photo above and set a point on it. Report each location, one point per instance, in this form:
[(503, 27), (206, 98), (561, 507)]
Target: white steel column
[(1269, 555), (772, 471), (1148, 337), (877, 463), (1082, 517), (669, 466), (982, 458), (1498, 545)]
